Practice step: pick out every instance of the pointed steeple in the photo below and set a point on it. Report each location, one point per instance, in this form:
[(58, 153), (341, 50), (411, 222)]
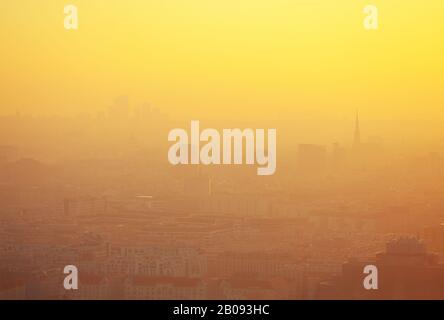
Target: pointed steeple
[(357, 135)]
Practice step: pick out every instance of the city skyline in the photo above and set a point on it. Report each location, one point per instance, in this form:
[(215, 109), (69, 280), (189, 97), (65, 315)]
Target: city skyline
[(254, 61), (221, 150)]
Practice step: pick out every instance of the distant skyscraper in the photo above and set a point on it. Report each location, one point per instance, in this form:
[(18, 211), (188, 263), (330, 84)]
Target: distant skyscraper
[(144, 111), (120, 108)]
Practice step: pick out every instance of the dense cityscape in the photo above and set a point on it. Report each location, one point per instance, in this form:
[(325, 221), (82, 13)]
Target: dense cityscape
[(97, 192)]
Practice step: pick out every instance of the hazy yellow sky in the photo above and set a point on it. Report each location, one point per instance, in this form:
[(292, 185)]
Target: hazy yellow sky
[(283, 59)]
